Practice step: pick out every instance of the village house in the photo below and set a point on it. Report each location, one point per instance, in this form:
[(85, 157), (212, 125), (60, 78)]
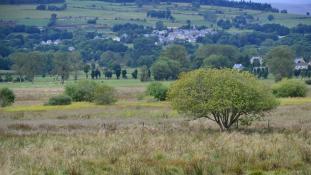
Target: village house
[(300, 64), (239, 67), (173, 34), (50, 42), (259, 59)]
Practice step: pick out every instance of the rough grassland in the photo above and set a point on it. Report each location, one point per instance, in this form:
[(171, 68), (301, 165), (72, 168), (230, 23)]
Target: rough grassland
[(142, 136)]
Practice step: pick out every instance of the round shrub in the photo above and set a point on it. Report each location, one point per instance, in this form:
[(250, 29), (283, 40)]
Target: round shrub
[(308, 82), (290, 88), (224, 96), (82, 90), (105, 95), (60, 100), (157, 90), (7, 97)]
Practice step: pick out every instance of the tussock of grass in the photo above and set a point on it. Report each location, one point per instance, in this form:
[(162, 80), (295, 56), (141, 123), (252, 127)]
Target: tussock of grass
[(295, 101)]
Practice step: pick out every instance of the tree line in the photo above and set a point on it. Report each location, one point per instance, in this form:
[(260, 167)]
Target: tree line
[(31, 1), (222, 3), (164, 14)]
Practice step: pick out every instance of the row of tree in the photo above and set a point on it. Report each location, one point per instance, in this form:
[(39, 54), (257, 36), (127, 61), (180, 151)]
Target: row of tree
[(51, 7), (30, 1), (28, 65), (196, 4), (165, 14)]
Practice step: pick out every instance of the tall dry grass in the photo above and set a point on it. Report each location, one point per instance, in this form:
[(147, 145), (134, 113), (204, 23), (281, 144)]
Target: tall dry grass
[(156, 151)]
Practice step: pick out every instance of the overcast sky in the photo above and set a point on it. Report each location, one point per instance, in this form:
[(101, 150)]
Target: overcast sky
[(285, 1)]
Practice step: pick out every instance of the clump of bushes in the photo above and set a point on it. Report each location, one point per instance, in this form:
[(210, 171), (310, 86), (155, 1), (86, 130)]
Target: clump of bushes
[(82, 91), (105, 95), (91, 91), (290, 88), (157, 90), (60, 100), (7, 97), (308, 82)]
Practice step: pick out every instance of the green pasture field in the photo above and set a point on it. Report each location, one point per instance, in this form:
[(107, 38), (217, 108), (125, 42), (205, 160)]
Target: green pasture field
[(78, 12)]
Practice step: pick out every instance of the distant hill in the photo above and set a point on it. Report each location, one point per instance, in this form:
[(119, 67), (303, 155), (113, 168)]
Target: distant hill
[(294, 8)]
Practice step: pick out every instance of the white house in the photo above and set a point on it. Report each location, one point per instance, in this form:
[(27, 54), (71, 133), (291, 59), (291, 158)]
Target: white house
[(259, 58), (71, 48), (238, 66), (300, 63), (118, 39)]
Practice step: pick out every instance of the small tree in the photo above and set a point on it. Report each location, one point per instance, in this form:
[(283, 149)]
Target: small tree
[(280, 61), (76, 65), (216, 61), (105, 95), (7, 97), (135, 73), (86, 70), (62, 66), (117, 70), (157, 90), (223, 96), (124, 74), (108, 74), (144, 76), (270, 17)]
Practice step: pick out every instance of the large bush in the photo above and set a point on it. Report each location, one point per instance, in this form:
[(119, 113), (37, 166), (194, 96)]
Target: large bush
[(290, 88), (60, 100), (105, 95), (157, 90), (82, 90), (223, 96), (308, 82), (7, 97)]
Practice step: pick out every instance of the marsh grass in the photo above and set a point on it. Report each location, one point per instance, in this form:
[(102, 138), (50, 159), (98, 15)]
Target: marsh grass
[(142, 151), (148, 137)]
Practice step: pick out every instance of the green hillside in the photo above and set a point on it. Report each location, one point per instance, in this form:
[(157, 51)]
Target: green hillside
[(78, 12)]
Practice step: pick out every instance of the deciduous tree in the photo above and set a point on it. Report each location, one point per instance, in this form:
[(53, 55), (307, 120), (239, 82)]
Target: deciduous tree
[(223, 96), (280, 61)]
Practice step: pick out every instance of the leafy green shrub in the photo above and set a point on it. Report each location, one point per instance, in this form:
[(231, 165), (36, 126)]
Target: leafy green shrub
[(289, 88), (7, 97), (60, 100), (105, 95), (308, 82), (157, 90), (224, 96), (82, 90)]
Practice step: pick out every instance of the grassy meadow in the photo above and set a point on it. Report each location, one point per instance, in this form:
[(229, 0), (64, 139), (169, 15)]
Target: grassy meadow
[(139, 135)]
